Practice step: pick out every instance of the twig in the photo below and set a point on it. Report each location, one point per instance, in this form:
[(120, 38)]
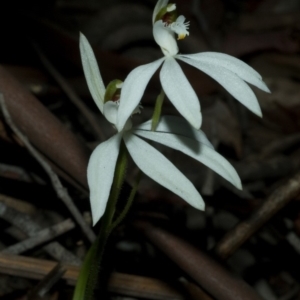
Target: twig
[(17, 204), (40, 237), (60, 190), (194, 291), (280, 145), (27, 225), (65, 86), (275, 167), (124, 284), (43, 287), (244, 230), (202, 269)]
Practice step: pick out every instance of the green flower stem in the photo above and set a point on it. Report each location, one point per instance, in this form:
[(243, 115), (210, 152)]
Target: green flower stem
[(128, 203), (157, 110), (80, 289), (88, 276), (116, 188)]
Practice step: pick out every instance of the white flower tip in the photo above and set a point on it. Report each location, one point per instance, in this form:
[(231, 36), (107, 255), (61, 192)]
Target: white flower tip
[(266, 89), (119, 85), (82, 39), (171, 7), (95, 218), (201, 205), (96, 209), (258, 112), (237, 183)]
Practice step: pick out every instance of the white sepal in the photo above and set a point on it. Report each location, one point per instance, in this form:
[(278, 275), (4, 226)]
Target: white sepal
[(110, 111), (133, 90), (233, 64), (178, 126), (91, 72), (180, 92), (165, 38), (230, 81), (160, 169), (100, 174), (196, 150)]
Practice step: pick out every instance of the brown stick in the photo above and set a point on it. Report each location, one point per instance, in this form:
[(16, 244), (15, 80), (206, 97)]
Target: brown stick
[(43, 129), (40, 237), (65, 86), (43, 287), (62, 193), (241, 233), (27, 225), (125, 284), (206, 272)]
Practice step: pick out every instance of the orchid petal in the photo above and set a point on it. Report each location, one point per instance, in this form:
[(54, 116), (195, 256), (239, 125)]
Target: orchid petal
[(91, 72), (159, 5), (178, 126), (100, 174), (110, 111), (180, 92), (133, 90), (233, 64), (165, 38), (230, 81), (196, 150), (159, 168)]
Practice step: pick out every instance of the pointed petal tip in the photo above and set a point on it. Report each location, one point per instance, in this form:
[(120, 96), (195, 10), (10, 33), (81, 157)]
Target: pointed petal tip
[(95, 220), (82, 37), (258, 113), (238, 185), (264, 87), (201, 206), (267, 90)]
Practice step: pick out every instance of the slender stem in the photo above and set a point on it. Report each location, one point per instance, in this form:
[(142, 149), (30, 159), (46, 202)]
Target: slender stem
[(90, 268), (82, 281), (128, 203), (157, 110), (115, 189)]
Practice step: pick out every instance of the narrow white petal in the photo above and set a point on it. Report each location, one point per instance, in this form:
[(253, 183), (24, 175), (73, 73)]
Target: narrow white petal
[(133, 90), (91, 72), (160, 169), (180, 92), (165, 38), (159, 5), (100, 174), (110, 111), (230, 81), (196, 150), (179, 126), (233, 64)]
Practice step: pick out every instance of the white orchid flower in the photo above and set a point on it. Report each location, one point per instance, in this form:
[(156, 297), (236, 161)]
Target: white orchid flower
[(171, 131), (229, 71)]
